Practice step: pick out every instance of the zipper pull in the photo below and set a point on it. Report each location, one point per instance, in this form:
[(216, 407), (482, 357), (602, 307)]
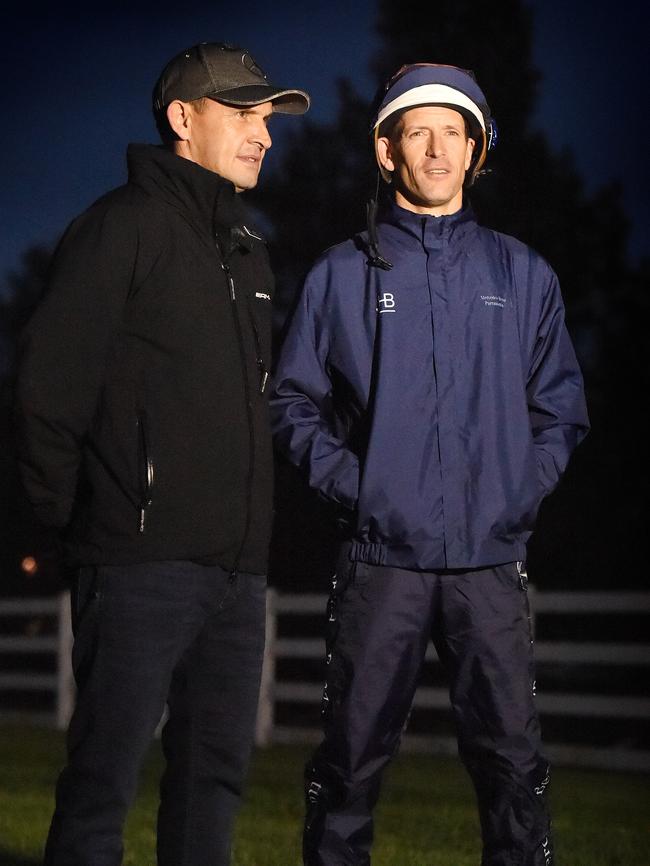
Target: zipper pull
[(264, 375), (523, 576), (142, 516), (231, 282)]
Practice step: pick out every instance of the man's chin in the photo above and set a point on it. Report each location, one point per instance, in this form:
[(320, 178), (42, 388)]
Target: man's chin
[(245, 180), (430, 197), (242, 186)]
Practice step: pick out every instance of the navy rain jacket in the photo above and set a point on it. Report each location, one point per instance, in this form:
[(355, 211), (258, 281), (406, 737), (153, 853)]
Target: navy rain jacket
[(438, 401)]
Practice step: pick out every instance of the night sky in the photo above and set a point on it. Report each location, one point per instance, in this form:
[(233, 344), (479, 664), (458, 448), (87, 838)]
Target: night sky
[(77, 90)]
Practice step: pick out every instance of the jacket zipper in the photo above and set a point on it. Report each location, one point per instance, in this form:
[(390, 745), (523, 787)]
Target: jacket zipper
[(249, 414), (146, 481), (261, 366)]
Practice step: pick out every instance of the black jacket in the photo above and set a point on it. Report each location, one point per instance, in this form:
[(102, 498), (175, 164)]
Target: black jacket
[(141, 403)]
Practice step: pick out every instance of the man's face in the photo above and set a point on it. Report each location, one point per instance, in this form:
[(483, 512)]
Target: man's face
[(230, 140), (428, 153)]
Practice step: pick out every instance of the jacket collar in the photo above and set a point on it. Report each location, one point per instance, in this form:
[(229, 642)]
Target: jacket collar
[(429, 230), (205, 198)]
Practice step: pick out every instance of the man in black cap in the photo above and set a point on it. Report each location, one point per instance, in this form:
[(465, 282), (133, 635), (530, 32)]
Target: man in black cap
[(144, 439)]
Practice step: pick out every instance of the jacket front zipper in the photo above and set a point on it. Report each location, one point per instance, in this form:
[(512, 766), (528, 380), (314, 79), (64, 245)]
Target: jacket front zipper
[(249, 411), (261, 366)]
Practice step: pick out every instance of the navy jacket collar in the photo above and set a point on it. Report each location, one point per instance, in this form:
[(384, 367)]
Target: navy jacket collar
[(426, 229)]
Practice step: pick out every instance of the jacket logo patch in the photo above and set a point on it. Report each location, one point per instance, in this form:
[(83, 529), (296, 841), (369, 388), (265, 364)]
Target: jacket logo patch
[(386, 303), (493, 301), (264, 296)]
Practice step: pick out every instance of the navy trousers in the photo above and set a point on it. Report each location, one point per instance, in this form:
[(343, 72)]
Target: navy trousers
[(180, 633), (380, 622)]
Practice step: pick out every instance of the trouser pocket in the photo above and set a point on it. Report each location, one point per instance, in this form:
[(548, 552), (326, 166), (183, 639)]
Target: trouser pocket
[(86, 600)]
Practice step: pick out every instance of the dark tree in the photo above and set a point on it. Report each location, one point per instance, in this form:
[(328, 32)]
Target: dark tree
[(317, 197)]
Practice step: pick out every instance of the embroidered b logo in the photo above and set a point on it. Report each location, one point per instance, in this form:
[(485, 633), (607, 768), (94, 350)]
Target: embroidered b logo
[(387, 303)]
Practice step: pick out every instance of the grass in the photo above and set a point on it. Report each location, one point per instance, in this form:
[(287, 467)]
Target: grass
[(426, 817)]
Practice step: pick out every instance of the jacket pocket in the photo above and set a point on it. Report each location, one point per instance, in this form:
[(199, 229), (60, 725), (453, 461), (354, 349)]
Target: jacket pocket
[(145, 470)]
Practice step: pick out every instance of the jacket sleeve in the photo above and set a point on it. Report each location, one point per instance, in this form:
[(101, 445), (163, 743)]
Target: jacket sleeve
[(63, 354), (302, 409), (555, 391)]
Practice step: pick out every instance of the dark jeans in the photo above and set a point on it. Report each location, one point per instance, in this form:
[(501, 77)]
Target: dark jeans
[(177, 632), (380, 622)]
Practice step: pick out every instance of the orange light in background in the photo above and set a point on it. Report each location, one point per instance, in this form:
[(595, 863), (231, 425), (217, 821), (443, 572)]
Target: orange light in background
[(29, 565)]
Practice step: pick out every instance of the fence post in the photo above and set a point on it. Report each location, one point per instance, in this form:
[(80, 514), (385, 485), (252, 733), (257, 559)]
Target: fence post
[(65, 688), (264, 724)]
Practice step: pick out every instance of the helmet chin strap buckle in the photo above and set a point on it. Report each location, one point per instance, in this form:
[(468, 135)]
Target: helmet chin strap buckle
[(492, 134)]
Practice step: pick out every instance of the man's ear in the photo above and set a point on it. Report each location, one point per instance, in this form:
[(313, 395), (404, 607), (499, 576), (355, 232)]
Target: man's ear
[(384, 154), (179, 119)]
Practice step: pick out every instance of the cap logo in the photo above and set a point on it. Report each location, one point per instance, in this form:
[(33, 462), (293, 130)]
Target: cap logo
[(250, 64)]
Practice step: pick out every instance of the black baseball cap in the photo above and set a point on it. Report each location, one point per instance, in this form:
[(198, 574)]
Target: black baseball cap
[(225, 73)]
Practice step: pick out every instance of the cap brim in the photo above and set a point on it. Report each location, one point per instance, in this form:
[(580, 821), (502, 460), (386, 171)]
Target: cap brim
[(284, 101)]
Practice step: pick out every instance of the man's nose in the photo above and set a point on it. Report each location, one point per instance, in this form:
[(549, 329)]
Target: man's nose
[(435, 145), (262, 137)]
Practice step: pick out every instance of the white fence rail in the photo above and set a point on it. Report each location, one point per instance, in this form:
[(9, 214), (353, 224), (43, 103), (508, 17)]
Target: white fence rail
[(57, 643)]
